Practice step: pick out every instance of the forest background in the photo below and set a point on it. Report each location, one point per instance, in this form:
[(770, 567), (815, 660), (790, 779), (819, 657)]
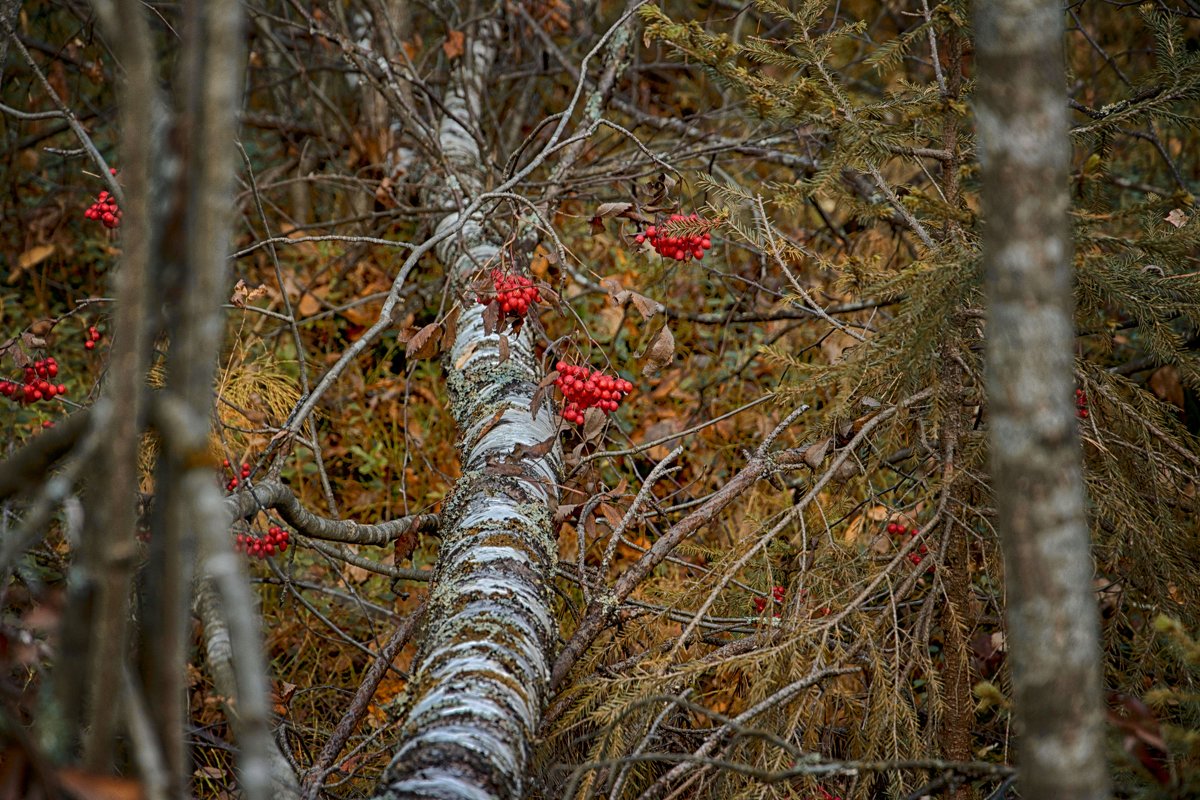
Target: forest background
[(296, 479)]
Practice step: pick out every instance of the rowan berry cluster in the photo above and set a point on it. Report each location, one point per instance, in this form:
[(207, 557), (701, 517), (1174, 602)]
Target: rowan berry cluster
[(583, 388), (682, 246), (1081, 404), (233, 482), (37, 383), (514, 293), (896, 529), (777, 594), (90, 339), (275, 541)]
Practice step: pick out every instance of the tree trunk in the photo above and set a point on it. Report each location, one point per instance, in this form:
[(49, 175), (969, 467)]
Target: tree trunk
[(480, 680), (1052, 619)]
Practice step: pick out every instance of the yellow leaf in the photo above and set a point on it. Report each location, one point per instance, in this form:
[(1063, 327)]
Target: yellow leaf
[(35, 255)]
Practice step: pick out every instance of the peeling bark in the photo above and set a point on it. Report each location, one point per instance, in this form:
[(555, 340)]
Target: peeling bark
[(480, 680)]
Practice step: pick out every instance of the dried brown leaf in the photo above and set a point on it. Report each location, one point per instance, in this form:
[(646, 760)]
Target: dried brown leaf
[(593, 424), (645, 306), (612, 514), (815, 453), (1177, 217), (606, 210), (491, 317), (539, 450), (424, 343), (243, 294), (450, 325), (659, 352)]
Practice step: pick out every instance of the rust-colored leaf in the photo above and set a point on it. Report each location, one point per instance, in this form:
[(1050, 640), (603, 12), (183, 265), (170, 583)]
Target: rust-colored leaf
[(424, 343), (612, 514), (454, 45), (491, 317), (539, 450), (450, 325), (94, 786), (504, 348)]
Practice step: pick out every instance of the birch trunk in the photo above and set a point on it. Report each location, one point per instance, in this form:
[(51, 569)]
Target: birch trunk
[(1052, 620), (480, 680)]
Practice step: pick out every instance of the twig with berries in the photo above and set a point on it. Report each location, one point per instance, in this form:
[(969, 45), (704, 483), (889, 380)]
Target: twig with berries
[(105, 209), (681, 237), (777, 594), (37, 383), (584, 388), (917, 556), (274, 541), (514, 295)]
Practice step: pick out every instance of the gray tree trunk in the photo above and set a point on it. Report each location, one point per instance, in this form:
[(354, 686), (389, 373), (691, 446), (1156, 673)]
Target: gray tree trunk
[(1052, 621), (480, 680)]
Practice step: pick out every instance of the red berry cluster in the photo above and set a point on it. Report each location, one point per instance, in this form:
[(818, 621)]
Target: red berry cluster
[(583, 388), (36, 385), (683, 247), (233, 482), (105, 209), (514, 293), (276, 541), (777, 594), (896, 529), (1081, 404), (93, 336)]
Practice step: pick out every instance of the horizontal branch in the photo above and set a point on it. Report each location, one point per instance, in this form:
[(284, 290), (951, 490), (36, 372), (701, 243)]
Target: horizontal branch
[(281, 498)]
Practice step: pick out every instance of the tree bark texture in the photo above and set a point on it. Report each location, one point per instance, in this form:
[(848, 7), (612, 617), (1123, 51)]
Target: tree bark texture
[(480, 680), (1052, 619)]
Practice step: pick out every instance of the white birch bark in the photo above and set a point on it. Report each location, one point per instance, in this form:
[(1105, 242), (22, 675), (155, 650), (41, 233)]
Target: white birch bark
[(480, 680)]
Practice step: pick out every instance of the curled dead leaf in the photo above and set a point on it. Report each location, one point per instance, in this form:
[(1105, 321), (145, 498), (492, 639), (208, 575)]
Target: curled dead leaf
[(243, 294), (659, 352)]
